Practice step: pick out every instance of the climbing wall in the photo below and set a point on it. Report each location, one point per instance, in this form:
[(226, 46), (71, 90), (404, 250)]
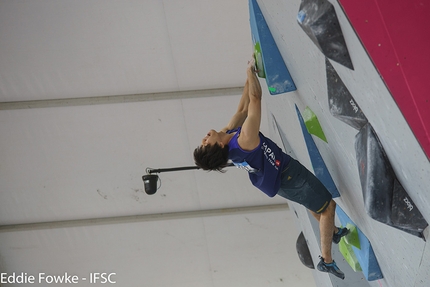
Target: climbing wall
[(344, 123)]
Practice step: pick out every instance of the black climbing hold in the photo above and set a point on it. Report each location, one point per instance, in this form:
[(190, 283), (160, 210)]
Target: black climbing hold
[(319, 21), (341, 103), (404, 214), (303, 251), (385, 199)]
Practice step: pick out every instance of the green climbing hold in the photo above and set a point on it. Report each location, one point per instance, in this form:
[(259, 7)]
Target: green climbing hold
[(349, 255), (312, 124), (259, 61), (352, 237)]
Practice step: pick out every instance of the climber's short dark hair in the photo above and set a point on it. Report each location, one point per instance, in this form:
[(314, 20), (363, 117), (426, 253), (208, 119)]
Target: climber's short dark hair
[(211, 157)]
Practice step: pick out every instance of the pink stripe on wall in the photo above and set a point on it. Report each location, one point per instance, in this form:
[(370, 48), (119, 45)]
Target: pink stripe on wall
[(396, 35)]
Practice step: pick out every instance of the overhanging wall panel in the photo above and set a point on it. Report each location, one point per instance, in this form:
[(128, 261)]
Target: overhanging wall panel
[(370, 93)]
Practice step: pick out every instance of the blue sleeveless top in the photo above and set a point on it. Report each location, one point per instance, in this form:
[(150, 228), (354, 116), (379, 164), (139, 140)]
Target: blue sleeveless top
[(264, 164)]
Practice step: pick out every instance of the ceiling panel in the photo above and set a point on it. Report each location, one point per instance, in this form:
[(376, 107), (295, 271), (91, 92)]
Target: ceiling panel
[(211, 42), (87, 161), (61, 49), (249, 249)]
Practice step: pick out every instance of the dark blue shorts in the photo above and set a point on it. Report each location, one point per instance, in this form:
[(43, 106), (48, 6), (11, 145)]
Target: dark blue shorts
[(300, 185)]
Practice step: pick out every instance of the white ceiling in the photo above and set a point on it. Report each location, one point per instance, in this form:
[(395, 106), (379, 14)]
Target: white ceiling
[(68, 49)]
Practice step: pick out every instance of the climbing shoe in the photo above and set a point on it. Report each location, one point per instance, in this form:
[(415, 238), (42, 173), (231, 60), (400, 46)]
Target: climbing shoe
[(330, 268), (341, 233)]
